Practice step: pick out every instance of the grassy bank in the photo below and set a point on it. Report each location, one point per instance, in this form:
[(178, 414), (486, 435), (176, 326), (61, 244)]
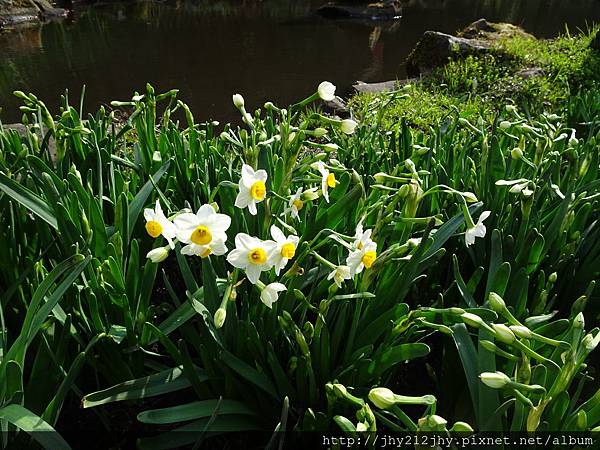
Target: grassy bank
[(430, 271), (536, 75)]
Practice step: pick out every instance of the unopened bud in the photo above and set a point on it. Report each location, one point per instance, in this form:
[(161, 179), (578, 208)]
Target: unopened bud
[(383, 398), (496, 302), (503, 333), (516, 153), (472, 319), (238, 101), (505, 124), (495, 380), (219, 317), (522, 332)]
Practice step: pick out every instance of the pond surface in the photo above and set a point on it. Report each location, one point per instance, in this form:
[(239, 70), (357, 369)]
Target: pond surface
[(275, 50)]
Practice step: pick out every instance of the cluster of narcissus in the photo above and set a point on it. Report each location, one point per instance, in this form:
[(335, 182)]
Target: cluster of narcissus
[(204, 233)]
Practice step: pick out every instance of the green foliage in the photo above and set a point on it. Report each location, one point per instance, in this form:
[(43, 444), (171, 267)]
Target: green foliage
[(106, 324), (538, 75)]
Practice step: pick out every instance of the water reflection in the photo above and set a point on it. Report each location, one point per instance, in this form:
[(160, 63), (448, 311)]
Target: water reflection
[(270, 50)]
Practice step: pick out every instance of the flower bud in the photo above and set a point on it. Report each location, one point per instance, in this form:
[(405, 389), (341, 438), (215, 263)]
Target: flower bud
[(472, 319), (380, 177), (219, 317), (495, 380), (158, 254), (319, 132), (579, 321), (505, 124), (361, 427), (238, 101), (340, 390), (516, 153), (503, 333), (404, 190), (309, 195), (437, 422), (463, 427), (470, 197), (348, 126), (383, 398), (522, 332), (326, 91), (330, 147), (552, 278), (590, 342), (510, 108), (496, 302)]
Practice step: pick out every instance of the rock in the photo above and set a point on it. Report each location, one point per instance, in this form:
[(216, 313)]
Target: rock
[(384, 86), (385, 10), (336, 106), (40, 10), (530, 72), (490, 31), (15, 17), (434, 49)]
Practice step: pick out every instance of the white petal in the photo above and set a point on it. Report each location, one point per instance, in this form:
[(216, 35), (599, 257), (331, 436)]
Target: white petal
[(218, 247), (277, 234), (186, 220), (148, 214), (192, 250), (252, 207), (243, 199), (244, 241), (158, 209), (205, 213), (253, 273), (237, 258), (484, 215), (221, 222), (261, 175)]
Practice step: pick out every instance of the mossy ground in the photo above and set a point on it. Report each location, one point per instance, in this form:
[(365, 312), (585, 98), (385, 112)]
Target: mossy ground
[(483, 85)]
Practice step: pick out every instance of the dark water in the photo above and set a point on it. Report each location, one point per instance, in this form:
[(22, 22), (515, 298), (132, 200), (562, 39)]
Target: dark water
[(266, 50)]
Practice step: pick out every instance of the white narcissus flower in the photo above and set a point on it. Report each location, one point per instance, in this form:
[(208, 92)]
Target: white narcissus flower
[(326, 91), (203, 232), (327, 178), (158, 254), (339, 275), (157, 224), (478, 230), (285, 250), (348, 126), (362, 257), (295, 204), (252, 188), (270, 293), (362, 237), (251, 255)]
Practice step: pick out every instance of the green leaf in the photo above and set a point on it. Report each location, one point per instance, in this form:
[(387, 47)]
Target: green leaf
[(32, 424), (249, 373), (168, 380), (28, 199), (468, 356), (193, 410)]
